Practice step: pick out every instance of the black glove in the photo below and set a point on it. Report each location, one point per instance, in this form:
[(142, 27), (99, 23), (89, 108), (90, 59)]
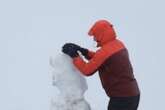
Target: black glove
[(70, 49), (84, 51)]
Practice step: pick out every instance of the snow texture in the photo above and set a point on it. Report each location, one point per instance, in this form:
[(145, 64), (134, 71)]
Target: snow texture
[(71, 84)]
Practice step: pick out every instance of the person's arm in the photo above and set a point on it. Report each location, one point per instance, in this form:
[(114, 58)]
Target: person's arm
[(90, 54), (94, 63)]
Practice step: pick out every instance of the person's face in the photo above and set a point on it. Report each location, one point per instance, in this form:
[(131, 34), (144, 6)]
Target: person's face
[(97, 41)]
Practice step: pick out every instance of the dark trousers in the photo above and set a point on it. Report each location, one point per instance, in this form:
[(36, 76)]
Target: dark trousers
[(124, 103)]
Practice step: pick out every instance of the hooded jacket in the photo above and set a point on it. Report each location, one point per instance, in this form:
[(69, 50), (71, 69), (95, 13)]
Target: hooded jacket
[(111, 61)]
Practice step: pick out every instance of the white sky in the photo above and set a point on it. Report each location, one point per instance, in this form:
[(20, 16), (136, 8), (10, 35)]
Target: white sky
[(33, 30)]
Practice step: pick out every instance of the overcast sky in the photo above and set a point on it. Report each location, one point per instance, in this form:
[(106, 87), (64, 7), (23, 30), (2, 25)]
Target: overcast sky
[(33, 30)]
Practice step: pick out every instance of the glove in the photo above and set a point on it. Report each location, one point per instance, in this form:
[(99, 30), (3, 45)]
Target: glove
[(70, 49), (84, 51)]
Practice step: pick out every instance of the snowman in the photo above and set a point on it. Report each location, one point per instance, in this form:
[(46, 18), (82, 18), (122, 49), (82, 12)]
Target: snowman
[(70, 83)]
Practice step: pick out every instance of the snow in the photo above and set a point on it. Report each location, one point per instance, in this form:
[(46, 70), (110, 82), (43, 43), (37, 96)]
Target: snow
[(31, 30), (71, 84)]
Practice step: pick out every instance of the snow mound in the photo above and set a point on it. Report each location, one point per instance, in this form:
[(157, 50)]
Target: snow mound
[(71, 84)]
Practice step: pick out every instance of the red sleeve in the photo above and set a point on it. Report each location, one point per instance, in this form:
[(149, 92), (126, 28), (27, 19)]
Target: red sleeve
[(90, 54), (93, 64)]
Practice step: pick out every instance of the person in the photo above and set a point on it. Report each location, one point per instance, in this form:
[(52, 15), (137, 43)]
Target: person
[(112, 62)]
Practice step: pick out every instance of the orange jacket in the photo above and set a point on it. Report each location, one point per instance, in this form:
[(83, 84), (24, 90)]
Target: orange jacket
[(111, 61)]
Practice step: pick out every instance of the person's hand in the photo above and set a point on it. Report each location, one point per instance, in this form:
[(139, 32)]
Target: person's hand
[(84, 51), (76, 47), (70, 49)]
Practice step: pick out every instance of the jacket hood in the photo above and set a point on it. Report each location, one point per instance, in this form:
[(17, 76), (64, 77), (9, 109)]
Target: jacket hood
[(103, 32)]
